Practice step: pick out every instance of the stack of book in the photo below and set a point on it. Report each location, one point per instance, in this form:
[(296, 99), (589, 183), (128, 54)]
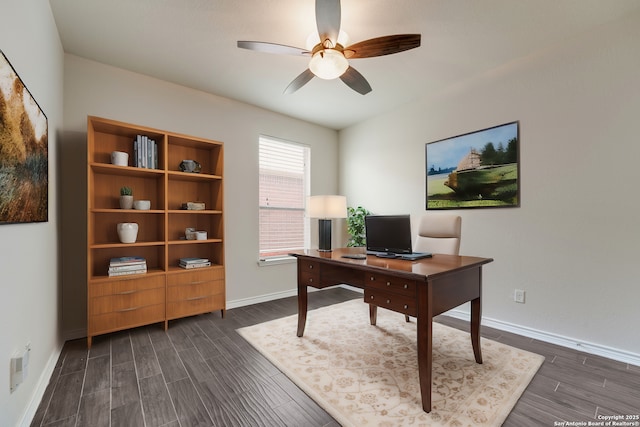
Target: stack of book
[(127, 265), (194, 262)]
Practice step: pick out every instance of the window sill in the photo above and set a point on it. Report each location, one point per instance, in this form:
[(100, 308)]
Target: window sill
[(276, 261)]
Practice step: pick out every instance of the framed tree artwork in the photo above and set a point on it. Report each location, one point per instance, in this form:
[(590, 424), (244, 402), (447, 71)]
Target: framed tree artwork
[(24, 163), (475, 170)]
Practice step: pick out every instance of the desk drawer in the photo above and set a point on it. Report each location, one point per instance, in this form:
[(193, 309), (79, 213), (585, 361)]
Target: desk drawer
[(391, 284), (391, 301)]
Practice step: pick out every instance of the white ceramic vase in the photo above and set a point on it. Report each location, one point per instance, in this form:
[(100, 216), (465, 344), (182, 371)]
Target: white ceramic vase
[(128, 232)]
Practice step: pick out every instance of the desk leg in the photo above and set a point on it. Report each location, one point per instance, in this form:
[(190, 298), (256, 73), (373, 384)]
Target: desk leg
[(373, 314), (424, 323), (302, 308), (476, 316)]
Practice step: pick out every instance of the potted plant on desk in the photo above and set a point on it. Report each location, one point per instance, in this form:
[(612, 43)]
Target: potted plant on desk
[(355, 226)]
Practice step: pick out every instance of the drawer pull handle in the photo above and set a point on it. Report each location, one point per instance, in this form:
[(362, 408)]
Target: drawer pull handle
[(372, 278), (311, 266), (388, 283), (132, 291), (198, 282), (406, 286), (124, 310), (388, 301), (406, 306), (310, 280), (371, 297), (196, 298)]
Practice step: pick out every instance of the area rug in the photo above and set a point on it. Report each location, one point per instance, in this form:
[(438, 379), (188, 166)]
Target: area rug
[(367, 375)]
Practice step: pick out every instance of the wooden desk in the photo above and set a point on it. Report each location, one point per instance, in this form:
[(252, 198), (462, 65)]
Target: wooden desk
[(423, 289)]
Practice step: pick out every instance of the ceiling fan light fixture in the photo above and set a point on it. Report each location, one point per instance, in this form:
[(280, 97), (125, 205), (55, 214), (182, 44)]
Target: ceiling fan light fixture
[(328, 64)]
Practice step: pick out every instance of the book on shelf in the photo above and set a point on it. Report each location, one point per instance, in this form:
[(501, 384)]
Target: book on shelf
[(127, 272), (193, 260), (195, 265), (127, 267), (193, 206), (127, 260)]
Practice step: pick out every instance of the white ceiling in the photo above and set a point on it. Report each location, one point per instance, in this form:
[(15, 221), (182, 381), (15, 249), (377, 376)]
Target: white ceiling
[(193, 43)]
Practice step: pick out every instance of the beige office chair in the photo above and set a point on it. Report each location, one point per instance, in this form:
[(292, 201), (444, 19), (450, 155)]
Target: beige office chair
[(438, 234)]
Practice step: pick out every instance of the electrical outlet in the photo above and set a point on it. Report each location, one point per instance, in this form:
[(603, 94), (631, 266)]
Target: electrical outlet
[(518, 296)]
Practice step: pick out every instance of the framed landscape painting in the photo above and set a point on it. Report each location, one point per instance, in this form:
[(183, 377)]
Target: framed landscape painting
[(476, 170), (24, 163)]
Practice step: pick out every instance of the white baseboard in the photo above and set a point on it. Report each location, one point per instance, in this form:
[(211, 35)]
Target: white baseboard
[(41, 387), (587, 347)]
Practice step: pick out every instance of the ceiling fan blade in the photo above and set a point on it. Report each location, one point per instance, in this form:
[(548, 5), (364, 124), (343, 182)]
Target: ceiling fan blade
[(385, 45), (299, 81), (328, 21), (356, 81), (273, 48)]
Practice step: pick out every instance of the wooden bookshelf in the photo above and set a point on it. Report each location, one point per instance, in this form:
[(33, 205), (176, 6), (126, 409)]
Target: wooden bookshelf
[(165, 291)]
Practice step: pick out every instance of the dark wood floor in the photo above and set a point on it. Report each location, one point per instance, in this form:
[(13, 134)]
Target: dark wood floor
[(202, 373)]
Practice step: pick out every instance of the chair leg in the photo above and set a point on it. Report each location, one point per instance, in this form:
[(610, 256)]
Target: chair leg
[(406, 318)]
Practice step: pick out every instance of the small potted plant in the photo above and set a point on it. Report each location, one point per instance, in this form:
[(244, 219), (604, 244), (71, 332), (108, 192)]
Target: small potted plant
[(126, 198)]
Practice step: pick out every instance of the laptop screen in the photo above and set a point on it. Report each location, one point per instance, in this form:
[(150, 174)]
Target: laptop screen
[(388, 233)]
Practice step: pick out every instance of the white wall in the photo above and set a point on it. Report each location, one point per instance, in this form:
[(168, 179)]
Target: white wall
[(95, 89), (29, 281), (574, 242)]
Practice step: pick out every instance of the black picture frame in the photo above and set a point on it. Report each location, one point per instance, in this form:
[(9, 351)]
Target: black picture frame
[(24, 151), (479, 169)]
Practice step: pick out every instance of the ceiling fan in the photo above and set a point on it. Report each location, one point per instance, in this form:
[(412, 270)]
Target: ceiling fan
[(329, 58)]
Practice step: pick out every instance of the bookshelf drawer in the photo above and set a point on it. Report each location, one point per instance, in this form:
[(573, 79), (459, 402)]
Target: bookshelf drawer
[(126, 285), (205, 304), (193, 277), (127, 301), (192, 291), (132, 318)]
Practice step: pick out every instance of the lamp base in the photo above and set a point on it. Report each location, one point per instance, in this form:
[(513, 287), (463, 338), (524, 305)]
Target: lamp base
[(324, 235)]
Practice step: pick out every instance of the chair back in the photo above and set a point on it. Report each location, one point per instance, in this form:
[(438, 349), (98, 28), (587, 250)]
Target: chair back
[(439, 234)]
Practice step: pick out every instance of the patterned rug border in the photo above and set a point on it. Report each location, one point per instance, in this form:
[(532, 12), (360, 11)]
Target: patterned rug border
[(343, 419)]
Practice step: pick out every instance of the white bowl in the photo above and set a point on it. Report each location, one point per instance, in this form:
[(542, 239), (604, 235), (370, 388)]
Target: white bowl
[(142, 205)]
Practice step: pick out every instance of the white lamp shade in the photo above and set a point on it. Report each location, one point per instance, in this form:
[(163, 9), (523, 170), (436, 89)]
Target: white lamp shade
[(327, 207)]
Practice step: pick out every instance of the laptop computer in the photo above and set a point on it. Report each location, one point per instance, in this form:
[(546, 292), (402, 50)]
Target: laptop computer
[(389, 236)]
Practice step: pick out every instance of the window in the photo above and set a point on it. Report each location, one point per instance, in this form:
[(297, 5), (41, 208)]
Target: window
[(284, 186)]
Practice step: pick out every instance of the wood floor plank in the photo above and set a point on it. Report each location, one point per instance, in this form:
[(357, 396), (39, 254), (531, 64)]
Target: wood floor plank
[(75, 358), (124, 385), (121, 351), (98, 375), (144, 355), (95, 409), (189, 407), (156, 402), (66, 398), (170, 365), (127, 415)]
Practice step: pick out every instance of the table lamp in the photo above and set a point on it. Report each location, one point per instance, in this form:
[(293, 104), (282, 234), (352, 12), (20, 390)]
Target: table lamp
[(325, 208)]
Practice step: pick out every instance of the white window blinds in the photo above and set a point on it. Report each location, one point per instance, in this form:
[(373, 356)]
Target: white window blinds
[(283, 188)]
